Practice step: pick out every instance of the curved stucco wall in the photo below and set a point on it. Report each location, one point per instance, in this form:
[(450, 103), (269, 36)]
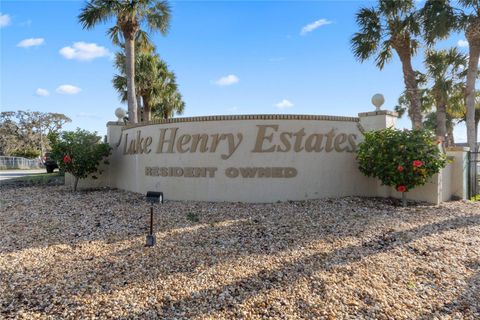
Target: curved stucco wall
[(210, 155)]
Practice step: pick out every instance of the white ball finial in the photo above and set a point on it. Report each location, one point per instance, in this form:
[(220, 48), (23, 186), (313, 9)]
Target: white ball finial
[(120, 114), (378, 100)]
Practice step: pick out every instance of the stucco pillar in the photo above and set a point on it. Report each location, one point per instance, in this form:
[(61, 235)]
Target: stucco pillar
[(114, 132), (114, 136), (378, 120), (459, 173)]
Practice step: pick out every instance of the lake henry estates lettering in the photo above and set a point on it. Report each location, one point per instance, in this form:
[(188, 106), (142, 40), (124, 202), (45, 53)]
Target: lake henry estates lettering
[(269, 138)]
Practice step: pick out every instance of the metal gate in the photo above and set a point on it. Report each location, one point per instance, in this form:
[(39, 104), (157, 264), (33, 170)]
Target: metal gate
[(474, 174)]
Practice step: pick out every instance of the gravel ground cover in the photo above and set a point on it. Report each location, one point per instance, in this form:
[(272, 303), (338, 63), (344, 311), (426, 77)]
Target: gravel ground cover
[(81, 256)]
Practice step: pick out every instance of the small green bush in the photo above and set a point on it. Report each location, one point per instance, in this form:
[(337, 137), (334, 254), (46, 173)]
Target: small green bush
[(26, 153), (79, 153), (475, 198), (403, 159)]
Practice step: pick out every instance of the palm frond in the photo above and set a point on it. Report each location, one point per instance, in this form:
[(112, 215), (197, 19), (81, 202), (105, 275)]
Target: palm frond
[(120, 84), (143, 42), (115, 34), (385, 55), (366, 42), (395, 7), (439, 20), (158, 17), (97, 11)]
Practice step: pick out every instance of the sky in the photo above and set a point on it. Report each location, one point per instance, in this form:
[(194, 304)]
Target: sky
[(230, 57)]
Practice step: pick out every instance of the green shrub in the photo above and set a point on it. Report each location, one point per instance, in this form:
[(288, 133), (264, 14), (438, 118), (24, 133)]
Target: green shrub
[(403, 159), (79, 153), (26, 153), (475, 198)]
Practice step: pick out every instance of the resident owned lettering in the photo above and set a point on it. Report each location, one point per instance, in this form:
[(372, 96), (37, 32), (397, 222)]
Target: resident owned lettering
[(231, 172)]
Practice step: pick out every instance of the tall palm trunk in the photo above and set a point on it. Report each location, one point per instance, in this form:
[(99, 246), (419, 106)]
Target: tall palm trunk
[(474, 52), (473, 37), (450, 137), (147, 109), (412, 87), (441, 129), (140, 115), (132, 100)]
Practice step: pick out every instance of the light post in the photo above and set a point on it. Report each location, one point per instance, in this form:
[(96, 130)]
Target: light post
[(152, 197)]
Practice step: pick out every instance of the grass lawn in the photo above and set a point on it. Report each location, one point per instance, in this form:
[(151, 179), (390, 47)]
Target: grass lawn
[(37, 179)]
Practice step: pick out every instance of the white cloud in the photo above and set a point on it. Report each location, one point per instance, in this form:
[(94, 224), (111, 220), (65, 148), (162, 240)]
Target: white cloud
[(314, 25), (227, 80), (462, 43), (84, 51), (42, 92), (32, 42), (68, 89), (284, 104), (5, 20)]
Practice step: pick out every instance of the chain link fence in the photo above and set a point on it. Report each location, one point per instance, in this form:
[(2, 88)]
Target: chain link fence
[(19, 163)]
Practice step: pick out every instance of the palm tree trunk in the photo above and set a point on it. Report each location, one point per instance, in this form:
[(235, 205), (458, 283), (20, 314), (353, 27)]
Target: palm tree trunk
[(477, 120), (474, 54), (132, 101), (140, 115), (441, 128), (450, 137), (412, 88), (147, 110)]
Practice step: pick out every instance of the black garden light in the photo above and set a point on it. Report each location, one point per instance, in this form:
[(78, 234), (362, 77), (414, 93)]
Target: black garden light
[(152, 197)]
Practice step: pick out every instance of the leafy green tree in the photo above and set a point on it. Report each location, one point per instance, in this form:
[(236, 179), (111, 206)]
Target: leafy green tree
[(156, 86), (130, 16), (446, 69), (403, 159), (79, 153), (391, 26), (25, 133)]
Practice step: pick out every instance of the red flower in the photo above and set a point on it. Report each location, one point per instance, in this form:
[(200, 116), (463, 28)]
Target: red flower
[(401, 188), (417, 163), (67, 159), (400, 168)]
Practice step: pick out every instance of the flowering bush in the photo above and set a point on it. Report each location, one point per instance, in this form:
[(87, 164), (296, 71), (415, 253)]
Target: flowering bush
[(79, 153), (403, 159)]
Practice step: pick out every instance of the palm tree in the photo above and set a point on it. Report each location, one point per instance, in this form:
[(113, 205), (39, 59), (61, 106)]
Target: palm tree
[(455, 110), (156, 85), (440, 18), (445, 68), (426, 99), (169, 103), (130, 16), (391, 26)]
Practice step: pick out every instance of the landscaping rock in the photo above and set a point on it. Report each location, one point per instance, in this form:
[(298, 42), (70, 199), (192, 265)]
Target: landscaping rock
[(67, 255)]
